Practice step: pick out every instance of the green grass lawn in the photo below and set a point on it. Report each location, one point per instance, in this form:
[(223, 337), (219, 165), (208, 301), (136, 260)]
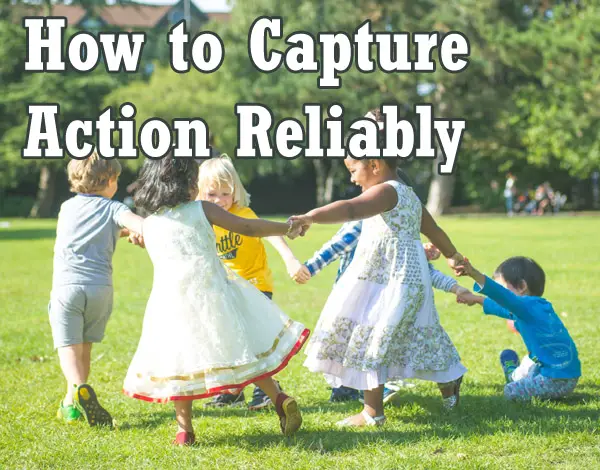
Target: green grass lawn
[(486, 432)]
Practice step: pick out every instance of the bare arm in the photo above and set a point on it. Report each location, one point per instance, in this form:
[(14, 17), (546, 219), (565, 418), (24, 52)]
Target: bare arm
[(249, 227), (282, 248), (132, 222), (378, 199), (291, 262), (436, 235)]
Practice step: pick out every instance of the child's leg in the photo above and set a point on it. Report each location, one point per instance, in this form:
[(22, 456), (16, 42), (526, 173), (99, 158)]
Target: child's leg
[(73, 368), (269, 386), (540, 387), (86, 359), (525, 369), (290, 418), (372, 412), (374, 401), (183, 415)]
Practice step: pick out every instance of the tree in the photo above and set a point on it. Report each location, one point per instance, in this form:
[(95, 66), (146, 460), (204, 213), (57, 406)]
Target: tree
[(78, 95)]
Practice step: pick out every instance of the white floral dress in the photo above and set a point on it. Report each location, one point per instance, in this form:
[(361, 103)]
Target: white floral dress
[(380, 322), (206, 330)]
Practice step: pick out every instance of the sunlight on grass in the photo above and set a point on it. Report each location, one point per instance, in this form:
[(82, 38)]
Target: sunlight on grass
[(487, 431)]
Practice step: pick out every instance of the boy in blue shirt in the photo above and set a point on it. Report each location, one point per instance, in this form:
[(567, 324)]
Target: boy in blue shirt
[(552, 368)]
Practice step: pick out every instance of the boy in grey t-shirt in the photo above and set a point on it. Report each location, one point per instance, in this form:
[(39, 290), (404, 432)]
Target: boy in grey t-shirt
[(89, 225)]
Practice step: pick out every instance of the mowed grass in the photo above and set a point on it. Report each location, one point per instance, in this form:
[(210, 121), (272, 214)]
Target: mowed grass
[(486, 432)]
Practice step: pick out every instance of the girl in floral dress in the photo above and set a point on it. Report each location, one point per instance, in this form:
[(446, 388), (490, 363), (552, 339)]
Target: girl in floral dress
[(380, 322)]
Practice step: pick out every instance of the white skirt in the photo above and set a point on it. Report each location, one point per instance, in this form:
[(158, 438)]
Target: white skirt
[(370, 333), (200, 340)]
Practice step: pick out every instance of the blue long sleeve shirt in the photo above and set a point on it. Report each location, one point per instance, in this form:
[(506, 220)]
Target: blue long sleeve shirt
[(544, 334)]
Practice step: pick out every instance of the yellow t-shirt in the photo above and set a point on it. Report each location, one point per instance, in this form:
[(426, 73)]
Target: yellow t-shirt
[(244, 255)]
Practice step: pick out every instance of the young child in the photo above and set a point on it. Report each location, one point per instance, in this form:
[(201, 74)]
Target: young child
[(89, 225), (205, 328), (343, 245), (219, 182), (551, 369), (380, 322)]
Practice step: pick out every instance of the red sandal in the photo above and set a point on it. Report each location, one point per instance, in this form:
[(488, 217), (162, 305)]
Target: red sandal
[(184, 438)]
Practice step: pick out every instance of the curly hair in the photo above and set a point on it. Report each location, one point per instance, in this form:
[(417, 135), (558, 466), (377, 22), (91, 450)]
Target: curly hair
[(92, 174), (166, 182)]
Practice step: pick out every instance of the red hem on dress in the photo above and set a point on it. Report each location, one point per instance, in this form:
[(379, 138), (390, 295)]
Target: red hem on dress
[(216, 391)]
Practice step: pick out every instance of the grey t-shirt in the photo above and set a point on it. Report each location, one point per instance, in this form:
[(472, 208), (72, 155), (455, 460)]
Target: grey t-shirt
[(86, 236)]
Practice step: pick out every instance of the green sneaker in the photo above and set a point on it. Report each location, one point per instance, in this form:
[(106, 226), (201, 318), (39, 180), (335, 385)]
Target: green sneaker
[(69, 414)]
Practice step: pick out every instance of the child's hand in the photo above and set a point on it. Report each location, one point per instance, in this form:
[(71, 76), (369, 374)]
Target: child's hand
[(124, 233), (304, 221), (302, 276), (296, 229), (469, 298), (431, 251), (293, 266), (137, 239), (456, 262)]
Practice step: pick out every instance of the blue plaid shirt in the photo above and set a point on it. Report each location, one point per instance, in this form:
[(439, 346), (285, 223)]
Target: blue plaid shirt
[(343, 245)]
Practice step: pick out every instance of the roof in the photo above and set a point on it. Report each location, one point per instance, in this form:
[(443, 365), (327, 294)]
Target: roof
[(123, 16), (219, 17), (73, 13), (133, 15)]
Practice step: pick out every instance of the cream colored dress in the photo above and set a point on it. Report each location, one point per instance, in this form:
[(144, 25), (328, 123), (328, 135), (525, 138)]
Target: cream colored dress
[(205, 329), (380, 322)]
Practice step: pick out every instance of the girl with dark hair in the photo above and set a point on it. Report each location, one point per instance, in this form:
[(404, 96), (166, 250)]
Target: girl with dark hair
[(205, 329), (380, 322)]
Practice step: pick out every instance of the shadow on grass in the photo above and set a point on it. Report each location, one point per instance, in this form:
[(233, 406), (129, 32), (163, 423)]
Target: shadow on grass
[(27, 234), (477, 416)]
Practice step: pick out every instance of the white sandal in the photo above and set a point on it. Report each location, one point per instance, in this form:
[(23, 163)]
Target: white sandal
[(369, 421)]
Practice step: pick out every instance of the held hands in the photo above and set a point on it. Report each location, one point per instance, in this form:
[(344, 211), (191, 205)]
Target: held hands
[(468, 298), (302, 275), (457, 264), (136, 239), (303, 220), (296, 229), (293, 266)]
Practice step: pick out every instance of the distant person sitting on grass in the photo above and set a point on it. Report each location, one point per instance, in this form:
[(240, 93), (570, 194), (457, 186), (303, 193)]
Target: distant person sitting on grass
[(89, 225), (551, 369)]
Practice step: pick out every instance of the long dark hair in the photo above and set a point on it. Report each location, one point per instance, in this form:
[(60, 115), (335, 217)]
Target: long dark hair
[(167, 182)]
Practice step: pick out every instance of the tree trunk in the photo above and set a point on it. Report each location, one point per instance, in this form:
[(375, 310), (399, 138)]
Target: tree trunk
[(441, 188), (326, 172), (45, 194)]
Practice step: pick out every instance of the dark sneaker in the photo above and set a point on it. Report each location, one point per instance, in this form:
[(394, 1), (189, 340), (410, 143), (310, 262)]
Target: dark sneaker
[(510, 361), (342, 393), (87, 401), (226, 399), (260, 400), (69, 414)]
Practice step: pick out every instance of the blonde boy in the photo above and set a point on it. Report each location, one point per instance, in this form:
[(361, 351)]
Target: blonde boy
[(89, 225)]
